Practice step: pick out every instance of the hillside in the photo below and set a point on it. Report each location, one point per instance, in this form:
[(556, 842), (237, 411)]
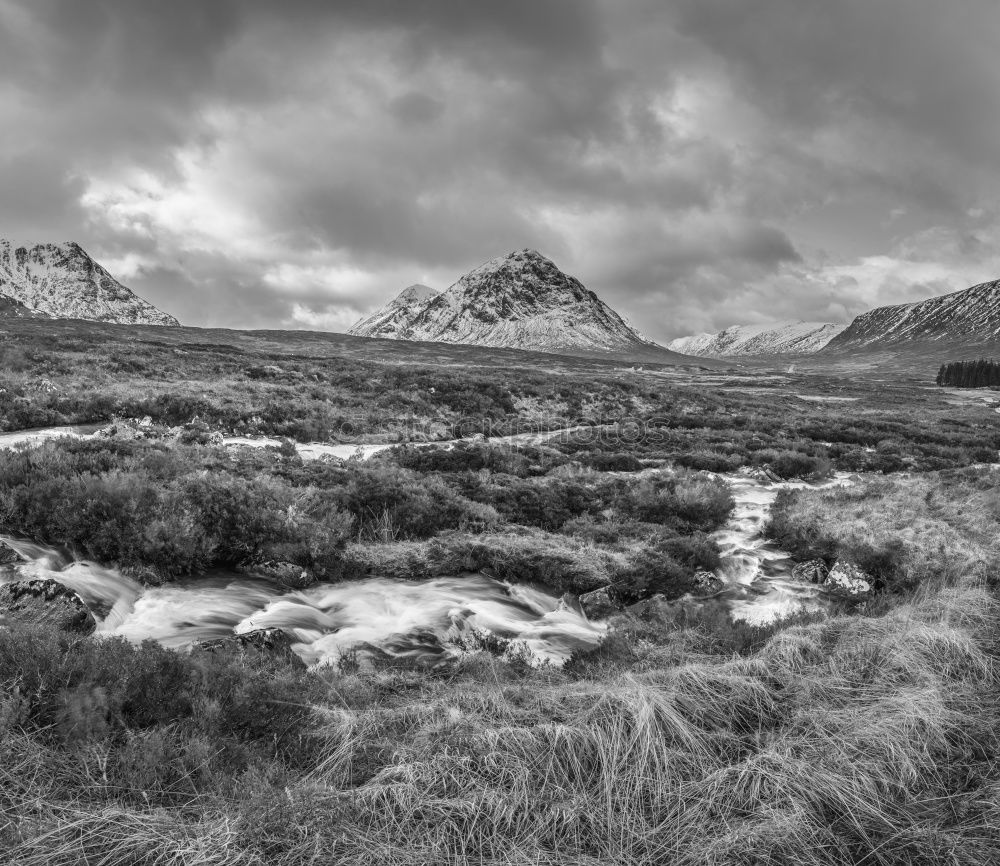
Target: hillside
[(12, 308), (967, 317), (62, 281), (776, 338)]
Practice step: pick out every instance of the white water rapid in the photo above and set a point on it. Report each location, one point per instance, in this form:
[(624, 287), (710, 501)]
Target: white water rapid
[(758, 575), (428, 619)]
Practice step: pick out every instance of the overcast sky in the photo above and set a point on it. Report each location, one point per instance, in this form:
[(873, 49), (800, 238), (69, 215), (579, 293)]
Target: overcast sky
[(697, 163)]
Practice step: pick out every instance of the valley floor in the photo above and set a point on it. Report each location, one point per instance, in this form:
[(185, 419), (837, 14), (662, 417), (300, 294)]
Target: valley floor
[(866, 735)]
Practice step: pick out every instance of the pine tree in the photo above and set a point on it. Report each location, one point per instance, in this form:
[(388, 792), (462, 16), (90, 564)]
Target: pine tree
[(981, 373)]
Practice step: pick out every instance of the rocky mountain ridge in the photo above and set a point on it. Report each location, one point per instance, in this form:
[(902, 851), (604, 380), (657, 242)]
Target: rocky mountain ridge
[(397, 314), (775, 338), (62, 281)]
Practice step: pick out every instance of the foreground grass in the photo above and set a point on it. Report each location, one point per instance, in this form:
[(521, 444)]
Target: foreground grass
[(910, 532), (855, 740)]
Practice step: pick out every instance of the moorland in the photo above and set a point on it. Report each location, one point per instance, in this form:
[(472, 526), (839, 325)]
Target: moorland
[(866, 733)]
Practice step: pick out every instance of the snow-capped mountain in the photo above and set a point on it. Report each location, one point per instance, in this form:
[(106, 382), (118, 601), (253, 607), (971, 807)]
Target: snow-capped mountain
[(520, 301), (968, 316), (776, 338), (397, 314), (62, 281)]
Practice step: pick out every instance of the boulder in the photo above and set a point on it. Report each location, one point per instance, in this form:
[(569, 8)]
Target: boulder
[(265, 641), (8, 556), (848, 582), (45, 602), (598, 604), (122, 429), (648, 606), (568, 601), (286, 574), (707, 583), (812, 571)]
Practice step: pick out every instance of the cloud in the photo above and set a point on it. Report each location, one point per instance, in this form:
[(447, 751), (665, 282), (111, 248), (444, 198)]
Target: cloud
[(696, 162)]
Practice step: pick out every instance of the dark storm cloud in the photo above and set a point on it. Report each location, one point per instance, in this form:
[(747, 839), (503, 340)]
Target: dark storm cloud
[(927, 65), (696, 161)]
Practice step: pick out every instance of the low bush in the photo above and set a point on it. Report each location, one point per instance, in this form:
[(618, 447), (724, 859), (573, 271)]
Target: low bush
[(527, 557), (795, 464), (139, 505), (710, 461), (667, 566), (684, 501)]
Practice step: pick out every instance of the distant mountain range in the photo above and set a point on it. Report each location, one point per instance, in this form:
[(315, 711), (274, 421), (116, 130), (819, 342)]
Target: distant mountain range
[(966, 322), (61, 281), (524, 301), (521, 301), (776, 338)]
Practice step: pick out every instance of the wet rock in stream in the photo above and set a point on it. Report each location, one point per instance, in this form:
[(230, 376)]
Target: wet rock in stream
[(45, 602)]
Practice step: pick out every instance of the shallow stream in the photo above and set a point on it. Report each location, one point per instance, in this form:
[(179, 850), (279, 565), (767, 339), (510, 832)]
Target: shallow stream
[(427, 618)]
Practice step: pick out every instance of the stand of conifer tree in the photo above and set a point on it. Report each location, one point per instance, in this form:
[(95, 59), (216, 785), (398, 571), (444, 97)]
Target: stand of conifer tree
[(970, 374)]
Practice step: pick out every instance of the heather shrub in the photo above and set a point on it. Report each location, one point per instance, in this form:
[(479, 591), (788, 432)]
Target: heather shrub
[(546, 503), (139, 505), (710, 461), (603, 461), (795, 464), (530, 556), (667, 566), (686, 502), (388, 502)]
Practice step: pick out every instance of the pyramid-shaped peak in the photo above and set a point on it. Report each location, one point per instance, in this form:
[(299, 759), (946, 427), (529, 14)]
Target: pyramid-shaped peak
[(416, 292)]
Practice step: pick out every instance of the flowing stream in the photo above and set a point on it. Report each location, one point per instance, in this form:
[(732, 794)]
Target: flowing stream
[(427, 619), (757, 573)]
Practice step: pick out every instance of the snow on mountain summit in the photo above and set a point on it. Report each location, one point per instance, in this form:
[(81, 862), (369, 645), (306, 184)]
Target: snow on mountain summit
[(521, 300), (774, 338), (62, 281)]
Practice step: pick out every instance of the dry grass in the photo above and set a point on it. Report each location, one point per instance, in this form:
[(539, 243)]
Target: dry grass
[(922, 532), (848, 741), (856, 740)]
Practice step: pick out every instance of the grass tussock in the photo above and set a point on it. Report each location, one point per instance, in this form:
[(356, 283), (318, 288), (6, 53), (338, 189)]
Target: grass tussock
[(915, 532), (858, 739)]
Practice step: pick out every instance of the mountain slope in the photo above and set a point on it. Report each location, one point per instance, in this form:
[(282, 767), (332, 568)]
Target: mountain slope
[(777, 338), (12, 308), (970, 316), (520, 301), (61, 280), (397, 314)]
